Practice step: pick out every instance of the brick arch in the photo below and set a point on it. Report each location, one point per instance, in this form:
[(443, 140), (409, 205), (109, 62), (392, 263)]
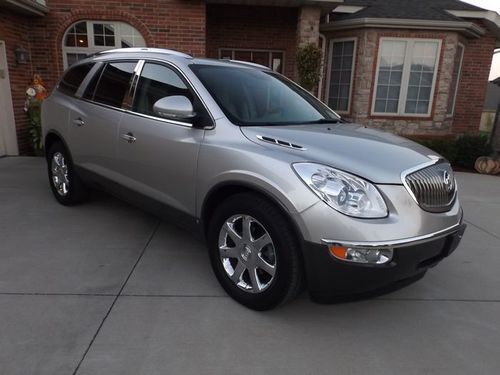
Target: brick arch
[(96, 15)]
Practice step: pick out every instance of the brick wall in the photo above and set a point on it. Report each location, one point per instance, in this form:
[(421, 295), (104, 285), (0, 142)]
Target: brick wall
[(474, 82), (14, 30), (250, 27), (175, 24), (476, 67)]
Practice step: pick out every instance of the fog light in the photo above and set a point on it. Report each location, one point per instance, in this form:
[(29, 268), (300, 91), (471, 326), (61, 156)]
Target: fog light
[(365, 256)]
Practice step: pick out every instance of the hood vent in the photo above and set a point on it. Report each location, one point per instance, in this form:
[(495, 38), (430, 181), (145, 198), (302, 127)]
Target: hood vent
[(281, 143)]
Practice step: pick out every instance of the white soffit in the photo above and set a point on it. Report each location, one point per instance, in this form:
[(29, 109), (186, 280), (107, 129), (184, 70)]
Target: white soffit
[(347, 9)]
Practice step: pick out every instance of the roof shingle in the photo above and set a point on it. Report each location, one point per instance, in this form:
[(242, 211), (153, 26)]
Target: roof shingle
[(407, 9)]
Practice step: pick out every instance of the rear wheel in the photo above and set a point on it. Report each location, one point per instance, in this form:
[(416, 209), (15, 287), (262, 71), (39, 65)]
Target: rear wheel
[(254, 253), (65, 184)]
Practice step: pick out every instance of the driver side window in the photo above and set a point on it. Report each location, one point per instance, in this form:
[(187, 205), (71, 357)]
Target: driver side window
[(156, 82)]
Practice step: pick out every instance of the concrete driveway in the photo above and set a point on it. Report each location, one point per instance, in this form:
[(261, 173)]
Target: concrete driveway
[(104, 288)]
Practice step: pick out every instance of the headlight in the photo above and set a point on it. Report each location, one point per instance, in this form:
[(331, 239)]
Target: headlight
[(342, 191)]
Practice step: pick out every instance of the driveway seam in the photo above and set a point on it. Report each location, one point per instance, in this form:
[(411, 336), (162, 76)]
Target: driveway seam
[(482, 229), (155, 229)]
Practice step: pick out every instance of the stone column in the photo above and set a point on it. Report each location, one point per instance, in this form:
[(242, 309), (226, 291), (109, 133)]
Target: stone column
[(308, 25)]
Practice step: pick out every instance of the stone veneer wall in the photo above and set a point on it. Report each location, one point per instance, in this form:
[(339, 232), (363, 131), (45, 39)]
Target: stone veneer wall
[(438, 123)]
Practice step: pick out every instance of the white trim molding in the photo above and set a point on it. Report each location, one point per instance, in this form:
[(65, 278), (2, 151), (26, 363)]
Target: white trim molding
[(468, 28), (454, 90), (8, 137)]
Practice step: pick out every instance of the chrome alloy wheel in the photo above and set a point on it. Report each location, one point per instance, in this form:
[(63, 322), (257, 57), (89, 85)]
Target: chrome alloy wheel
[(247, 253), (59, 170)]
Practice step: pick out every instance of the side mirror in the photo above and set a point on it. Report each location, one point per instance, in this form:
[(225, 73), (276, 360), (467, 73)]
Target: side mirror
[(176, 107)]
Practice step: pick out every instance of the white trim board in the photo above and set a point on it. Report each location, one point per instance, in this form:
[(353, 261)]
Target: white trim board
[(8, 139)]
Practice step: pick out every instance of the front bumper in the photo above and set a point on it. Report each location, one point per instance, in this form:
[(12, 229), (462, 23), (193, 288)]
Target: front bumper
[(330, 277)]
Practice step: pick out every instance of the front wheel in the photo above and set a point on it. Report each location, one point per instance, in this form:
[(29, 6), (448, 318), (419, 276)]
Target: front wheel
[(254, 253), (65, 184)]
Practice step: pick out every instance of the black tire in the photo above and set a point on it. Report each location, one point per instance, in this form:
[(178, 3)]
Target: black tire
[(76, 191), (288, 274)]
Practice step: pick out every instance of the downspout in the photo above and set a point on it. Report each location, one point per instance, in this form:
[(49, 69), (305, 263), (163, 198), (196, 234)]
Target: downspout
[(322, 76), (494, 143)]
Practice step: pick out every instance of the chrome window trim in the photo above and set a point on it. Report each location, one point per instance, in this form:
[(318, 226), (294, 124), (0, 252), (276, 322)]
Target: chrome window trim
[(418, 168), (173, 122), (404, 242)]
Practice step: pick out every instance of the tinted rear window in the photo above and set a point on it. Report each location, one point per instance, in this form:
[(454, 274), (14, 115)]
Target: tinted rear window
[(73, 78), (114, 83)]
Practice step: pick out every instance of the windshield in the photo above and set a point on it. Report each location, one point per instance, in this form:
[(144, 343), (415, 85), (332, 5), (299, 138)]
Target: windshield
[(254, 97)]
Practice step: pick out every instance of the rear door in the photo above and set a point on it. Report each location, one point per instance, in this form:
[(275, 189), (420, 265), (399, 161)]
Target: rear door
[(95, 118), (158, 157)]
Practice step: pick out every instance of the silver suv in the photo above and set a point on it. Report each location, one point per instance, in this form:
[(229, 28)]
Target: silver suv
[(284, 191)]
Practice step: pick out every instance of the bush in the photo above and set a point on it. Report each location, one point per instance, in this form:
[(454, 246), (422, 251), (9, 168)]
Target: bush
[(470, 147), (309, 65), (444, 147), (462, 151)]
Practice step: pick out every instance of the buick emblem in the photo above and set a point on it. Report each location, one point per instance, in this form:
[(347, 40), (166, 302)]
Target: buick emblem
[(448, 181)]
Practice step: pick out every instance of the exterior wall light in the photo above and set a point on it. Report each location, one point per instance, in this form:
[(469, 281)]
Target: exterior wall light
[(22, 55)]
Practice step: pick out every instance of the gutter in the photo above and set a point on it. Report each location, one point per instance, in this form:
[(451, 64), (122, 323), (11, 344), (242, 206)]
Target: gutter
[(28, 7), (468, 28)]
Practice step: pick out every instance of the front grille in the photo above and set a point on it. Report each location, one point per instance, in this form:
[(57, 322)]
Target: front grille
[(433, 188)]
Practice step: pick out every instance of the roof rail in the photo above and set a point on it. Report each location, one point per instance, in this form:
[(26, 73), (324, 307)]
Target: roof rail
[(240, 62), (146, 49)]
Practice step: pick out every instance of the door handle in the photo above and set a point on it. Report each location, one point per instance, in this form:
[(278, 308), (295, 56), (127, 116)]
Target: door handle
[(129, 137), (78, 122)]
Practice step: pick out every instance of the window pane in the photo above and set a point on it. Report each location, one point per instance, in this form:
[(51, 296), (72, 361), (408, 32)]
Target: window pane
[(157, 82), (114, 83), (423, 64), (73, 58), (390, 76), (226, 54), (340, 75), (455, 79), (73, 78), (77, 35), (104, 34)]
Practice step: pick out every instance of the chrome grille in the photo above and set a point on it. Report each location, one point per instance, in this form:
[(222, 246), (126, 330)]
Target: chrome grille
[(433, 188)]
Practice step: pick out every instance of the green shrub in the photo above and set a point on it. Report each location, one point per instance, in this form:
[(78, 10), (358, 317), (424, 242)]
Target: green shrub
[(309, 65), (444, 147), (462, 151), (470, 147)]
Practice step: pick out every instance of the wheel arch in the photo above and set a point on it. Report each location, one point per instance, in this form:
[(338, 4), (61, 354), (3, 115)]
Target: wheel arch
[(224, 190), (52, 137)]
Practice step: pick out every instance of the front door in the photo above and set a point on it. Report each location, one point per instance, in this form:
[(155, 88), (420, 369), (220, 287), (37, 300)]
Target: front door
[(8, 141), (158, 157)]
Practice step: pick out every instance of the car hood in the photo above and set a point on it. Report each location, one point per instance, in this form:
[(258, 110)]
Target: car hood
[(375, 155)]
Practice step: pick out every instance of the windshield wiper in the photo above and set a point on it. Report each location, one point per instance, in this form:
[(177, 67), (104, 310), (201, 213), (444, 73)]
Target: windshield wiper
[(324, 121)]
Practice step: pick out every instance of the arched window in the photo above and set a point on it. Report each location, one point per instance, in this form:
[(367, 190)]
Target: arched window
[(87, 37)]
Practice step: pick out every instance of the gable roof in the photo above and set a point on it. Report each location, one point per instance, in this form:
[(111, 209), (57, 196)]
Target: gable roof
[(435, 10)]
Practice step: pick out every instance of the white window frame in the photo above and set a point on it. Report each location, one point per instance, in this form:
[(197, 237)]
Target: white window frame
[(92, 48), (329, 71), (459, 78), (251, 50), (405, 79)]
